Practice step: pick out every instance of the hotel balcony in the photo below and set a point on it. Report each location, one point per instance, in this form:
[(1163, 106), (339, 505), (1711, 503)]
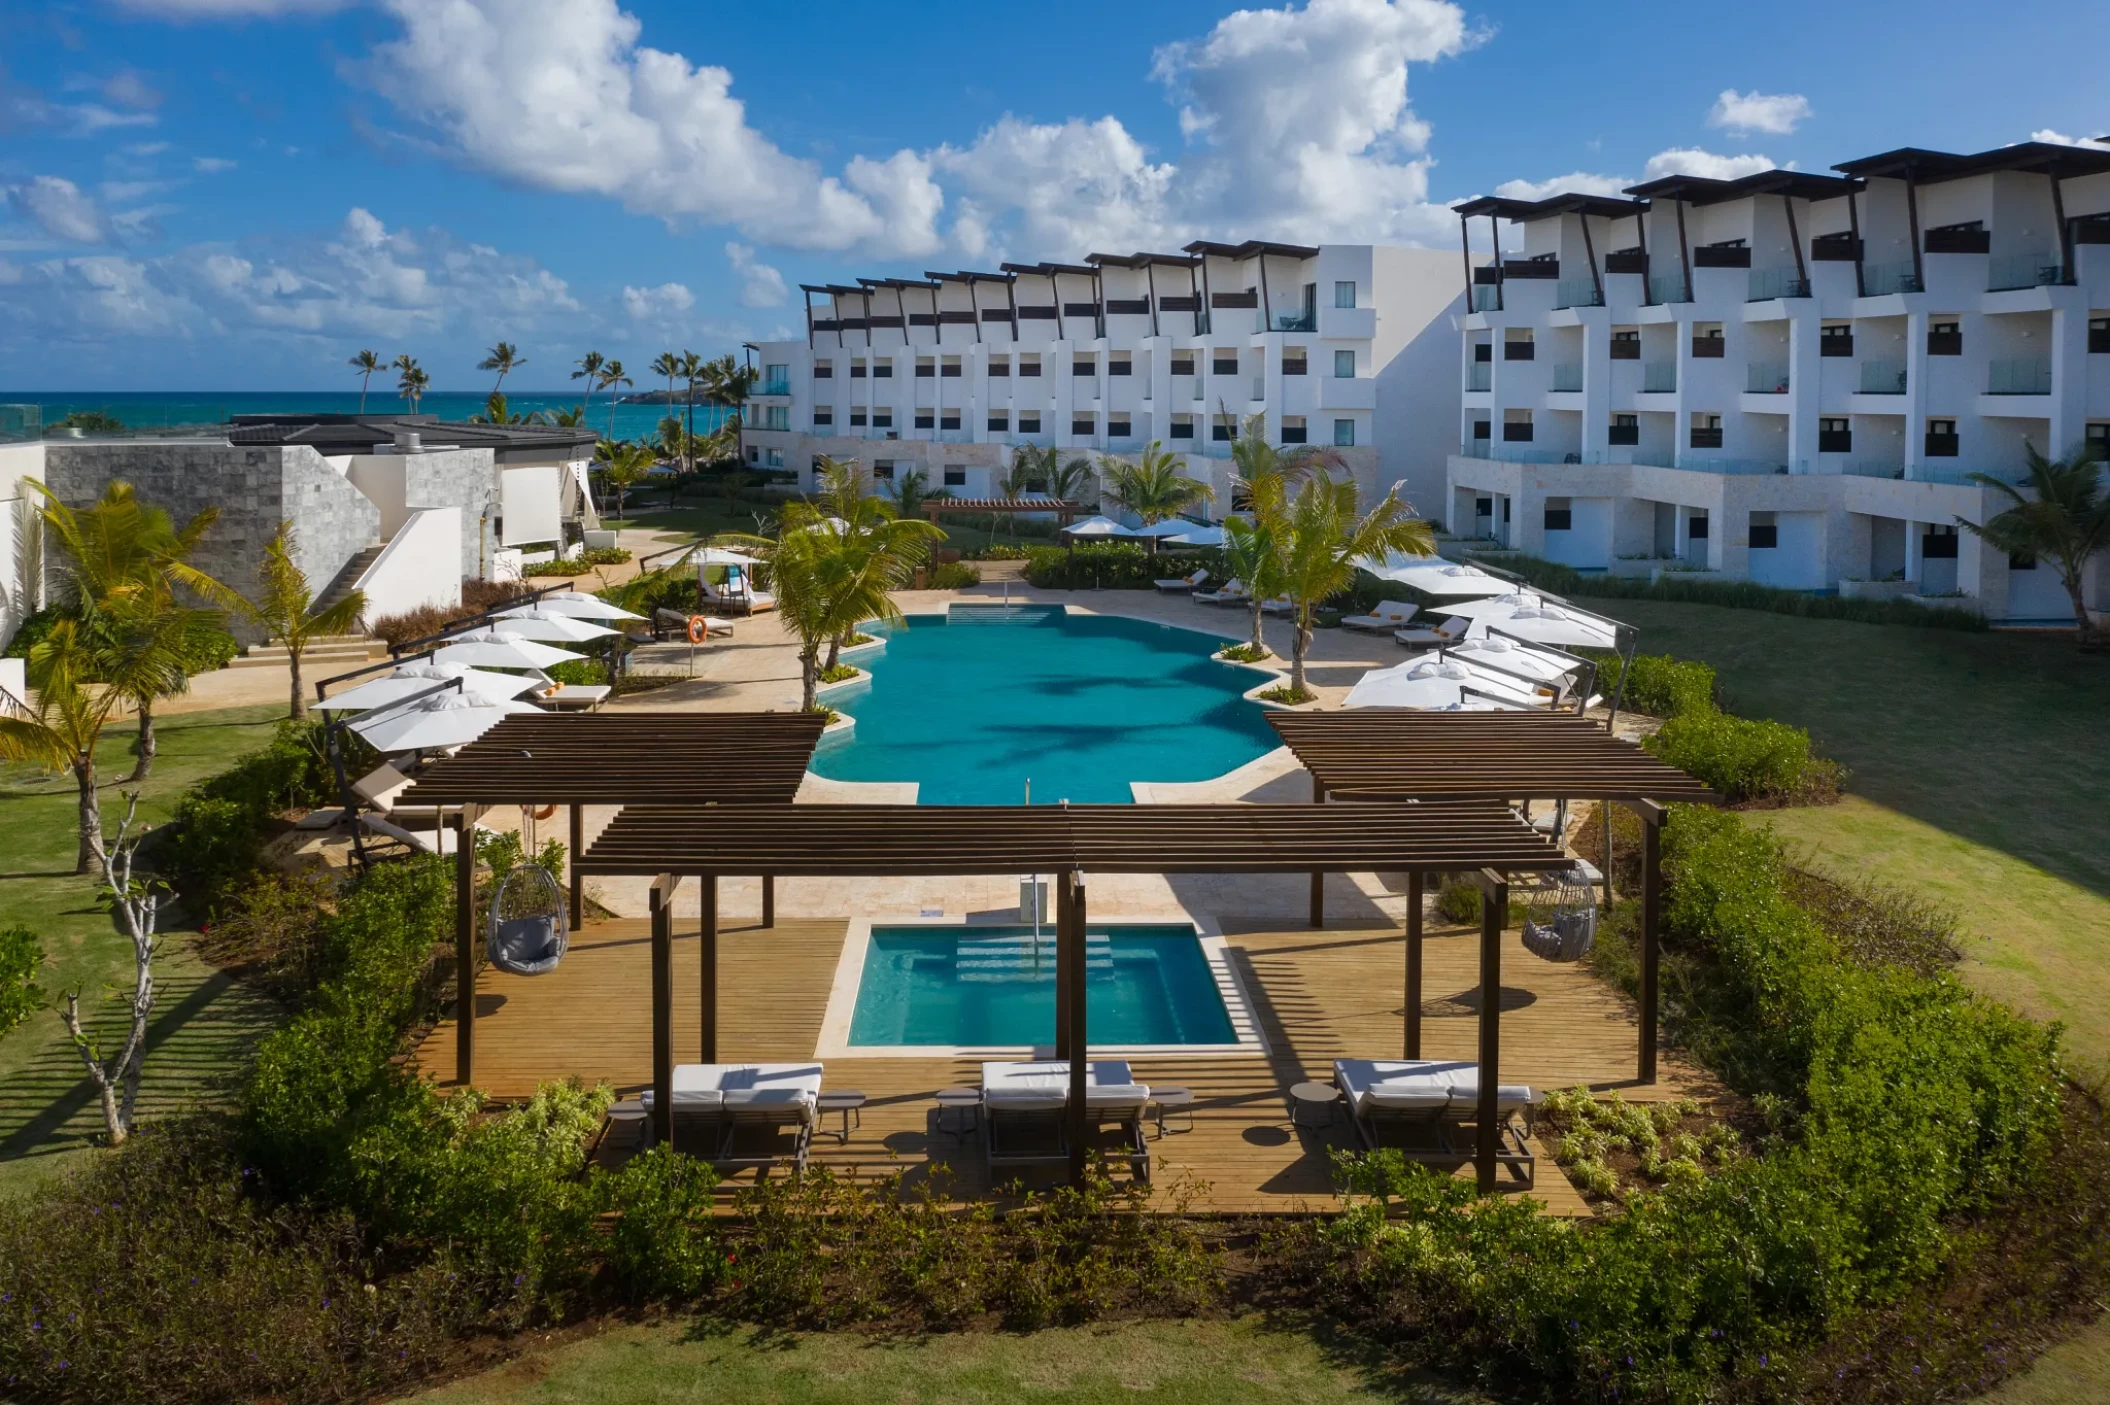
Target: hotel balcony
[(2024, 271)]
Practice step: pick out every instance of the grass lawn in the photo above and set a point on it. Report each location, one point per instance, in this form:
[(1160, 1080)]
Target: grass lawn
[(1186, 1363), (202, 1022), (700, 516)]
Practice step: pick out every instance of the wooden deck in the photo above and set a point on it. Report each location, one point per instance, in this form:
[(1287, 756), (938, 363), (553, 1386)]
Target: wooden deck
[(1319, 995)]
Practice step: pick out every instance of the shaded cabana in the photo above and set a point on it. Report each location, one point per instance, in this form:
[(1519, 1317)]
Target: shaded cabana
[(1493, 756), (669, 843), (620, 758)]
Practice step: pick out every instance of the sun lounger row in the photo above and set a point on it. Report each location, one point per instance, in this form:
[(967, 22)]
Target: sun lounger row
[(1415, 1106), (715, 1104), (1025, 1111)]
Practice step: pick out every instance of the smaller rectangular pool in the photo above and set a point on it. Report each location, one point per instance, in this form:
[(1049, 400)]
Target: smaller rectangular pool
[(994, 987)]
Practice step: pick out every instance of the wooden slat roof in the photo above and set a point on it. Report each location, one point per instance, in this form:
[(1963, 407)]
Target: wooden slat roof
[(1399, 755), (956, 840), (627, 758)]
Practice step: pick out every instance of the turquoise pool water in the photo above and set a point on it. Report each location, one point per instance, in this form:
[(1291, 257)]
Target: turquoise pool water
[(971, 707), (992, 987)]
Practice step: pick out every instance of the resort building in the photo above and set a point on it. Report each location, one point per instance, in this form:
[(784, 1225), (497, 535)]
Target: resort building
[(1342, 345), (1789, 378)]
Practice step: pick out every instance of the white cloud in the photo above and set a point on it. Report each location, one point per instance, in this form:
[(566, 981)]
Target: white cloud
[(80, 119), (1774, 113), (657, 304), (61, 209), (211, 165), (559, 94), (1575, 183), (760, 285), (128, 89), (2046, 134), (1692, 161)]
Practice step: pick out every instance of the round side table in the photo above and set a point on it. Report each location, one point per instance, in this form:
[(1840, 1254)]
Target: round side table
[(964, 1105), (1313, 1095)]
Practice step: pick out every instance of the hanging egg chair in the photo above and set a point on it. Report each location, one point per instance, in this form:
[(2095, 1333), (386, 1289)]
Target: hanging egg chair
[(1564, 928), (528, 928)]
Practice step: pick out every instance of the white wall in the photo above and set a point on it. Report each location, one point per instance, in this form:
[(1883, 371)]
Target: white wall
[(1588, 541), (1418, 293), (381, 477), (531, 502), (1797, 563), (420, 566), (19, 596), (2036, 594)]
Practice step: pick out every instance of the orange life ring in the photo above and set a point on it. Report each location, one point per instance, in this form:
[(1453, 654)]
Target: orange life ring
[(699, 629), (547, 812)]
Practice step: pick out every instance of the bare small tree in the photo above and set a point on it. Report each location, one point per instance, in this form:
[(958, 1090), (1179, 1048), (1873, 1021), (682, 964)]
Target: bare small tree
[(138, 902)]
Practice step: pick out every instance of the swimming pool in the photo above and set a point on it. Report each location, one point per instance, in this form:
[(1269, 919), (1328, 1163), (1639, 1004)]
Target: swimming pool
[(972, 704), (993, 987)]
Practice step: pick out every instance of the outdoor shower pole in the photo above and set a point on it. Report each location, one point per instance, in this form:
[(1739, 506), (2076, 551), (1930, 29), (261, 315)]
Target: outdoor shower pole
[(1080, 1045), (1494, 910)]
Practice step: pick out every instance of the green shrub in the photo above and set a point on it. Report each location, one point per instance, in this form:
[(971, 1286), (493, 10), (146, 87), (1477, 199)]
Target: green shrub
[(1659, 685), (272, 929), (951, 575), (21, 956), (841, 673), (578, 672), (206, 650), (997, 552), (1244, 653), (1287, 695), (1744, 759), (1458, 901), (222, 822), (1112, 566), (661, 1245)]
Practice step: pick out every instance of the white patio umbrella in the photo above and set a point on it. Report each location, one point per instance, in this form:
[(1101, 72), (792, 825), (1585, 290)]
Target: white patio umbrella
[(574, 605), (719, 556), (554, 629), (1508, 656), (1196, 536), (1550, 624), (1435, 576), (1098, 527), (501, 648), (415, 678), (1495, 606), (1440, 683), (445, 719)]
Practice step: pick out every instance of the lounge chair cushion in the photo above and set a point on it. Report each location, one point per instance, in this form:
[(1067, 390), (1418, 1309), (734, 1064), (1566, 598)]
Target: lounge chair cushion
[(1045, 1084), (752, 1087), (1384, 1083)]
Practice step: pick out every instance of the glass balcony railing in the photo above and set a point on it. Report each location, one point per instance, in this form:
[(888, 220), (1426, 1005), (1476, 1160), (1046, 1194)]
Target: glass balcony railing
[(2020, 375), (1577, 292), (1706, 464), (1567, 378), (1487, 299), (1882, 378), (1259, 388), (1479, 376), (775, 388), (1667, 287), (822, 431), (1766, 378), (1299, 322), (1770, 283), (1882, 279), (1870, 468), (2023, 271), (1516, 453), (1659, 377)]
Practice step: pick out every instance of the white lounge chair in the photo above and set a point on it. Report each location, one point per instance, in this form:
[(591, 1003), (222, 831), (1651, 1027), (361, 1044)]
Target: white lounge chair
[(1233, 593), (1423, 1099), (715, 1103), (1193, 582), (737, 591), (1449, 632), (1386, 614), (380, 787), (1025, 1111), (425, 841), (1278, 605)]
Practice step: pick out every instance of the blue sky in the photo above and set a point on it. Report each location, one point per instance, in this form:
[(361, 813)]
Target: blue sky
[(236, 194)]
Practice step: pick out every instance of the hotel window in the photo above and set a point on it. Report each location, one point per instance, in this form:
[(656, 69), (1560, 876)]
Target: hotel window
[(2021, 561), (2096, 440), (857, 369), (1029, 363), (1117, 426), (1835, 436), (1626, 344), (1517, 345), (1183, 363), (949, 367), (1560, 515), (1183, 426), (1344, 434), (1941, 439), (1707, 342), (1029, 421), (2098, 335), (1482, 429), (926, 369), (1084, 426), (999, 421), (1626, 429), (955, 477), (1000, 366), (1696, 527), (1344, 294), (775, 417), (1483, 351), (1835, 339), (1293, 361), (1945, 338), (823, 415), (1516, 426), (882, 417), (1293, 429), (1706, 431), (883, 470), (1344, 364), (1117, 363), (857, 418), (948, 419), (775, 375), (1939, 543), (1223, 363), (882, 370), (823, 370), (926, 419), (1222, 429), (1765, 531), (1084, 365)]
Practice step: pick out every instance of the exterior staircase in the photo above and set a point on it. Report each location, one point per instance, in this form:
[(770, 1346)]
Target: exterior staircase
[(345, 579), (325, 654)]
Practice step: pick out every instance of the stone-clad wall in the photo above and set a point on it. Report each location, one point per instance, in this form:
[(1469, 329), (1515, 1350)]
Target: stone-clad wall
[(463, 478)]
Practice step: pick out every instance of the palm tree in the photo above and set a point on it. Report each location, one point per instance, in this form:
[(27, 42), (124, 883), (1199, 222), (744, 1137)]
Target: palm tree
[(365, 363), (1253, 556), (612, 379), (285, 608), (691, 372), (1043, 470), (590, 371), (80, 678), (505, 358), (667, 364), (411, 382), (124, 564), (1322, 539), (624, 466), (1153, 487), (728, 383), (567, 419), (1266, 476), (910, 489), (2064, 519)]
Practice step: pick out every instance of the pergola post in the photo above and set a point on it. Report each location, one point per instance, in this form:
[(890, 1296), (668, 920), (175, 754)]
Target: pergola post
[(1494, 911), (1079, 1040), (1318, 879), (578, 847), (707, 991), (1063, 900), (465, 947), (1413, 1010), (769, 900), (1651, 931), (661, 900)]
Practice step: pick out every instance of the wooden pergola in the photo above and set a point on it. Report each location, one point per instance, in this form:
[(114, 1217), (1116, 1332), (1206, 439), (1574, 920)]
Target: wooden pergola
[(1385, 756), (607, 758), (999, 506), (668, 843)]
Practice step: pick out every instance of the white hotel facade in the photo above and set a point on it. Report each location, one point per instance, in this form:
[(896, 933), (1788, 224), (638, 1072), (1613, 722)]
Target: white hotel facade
[(1352, 346), (1787, 378)]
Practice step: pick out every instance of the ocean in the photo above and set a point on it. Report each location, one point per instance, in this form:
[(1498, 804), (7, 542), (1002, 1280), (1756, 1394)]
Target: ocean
[(155, 410)]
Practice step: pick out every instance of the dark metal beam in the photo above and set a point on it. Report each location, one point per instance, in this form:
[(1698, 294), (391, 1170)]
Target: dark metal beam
[(1651, 941), (578, 880), (661, 904), (707, 985), (1413, 1006), (1494, 910), (465, 947), (1080, 1037)]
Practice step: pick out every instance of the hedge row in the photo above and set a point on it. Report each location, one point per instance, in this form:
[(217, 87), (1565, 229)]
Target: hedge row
[(1745, 759), (1113, 566), (222, 821)]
